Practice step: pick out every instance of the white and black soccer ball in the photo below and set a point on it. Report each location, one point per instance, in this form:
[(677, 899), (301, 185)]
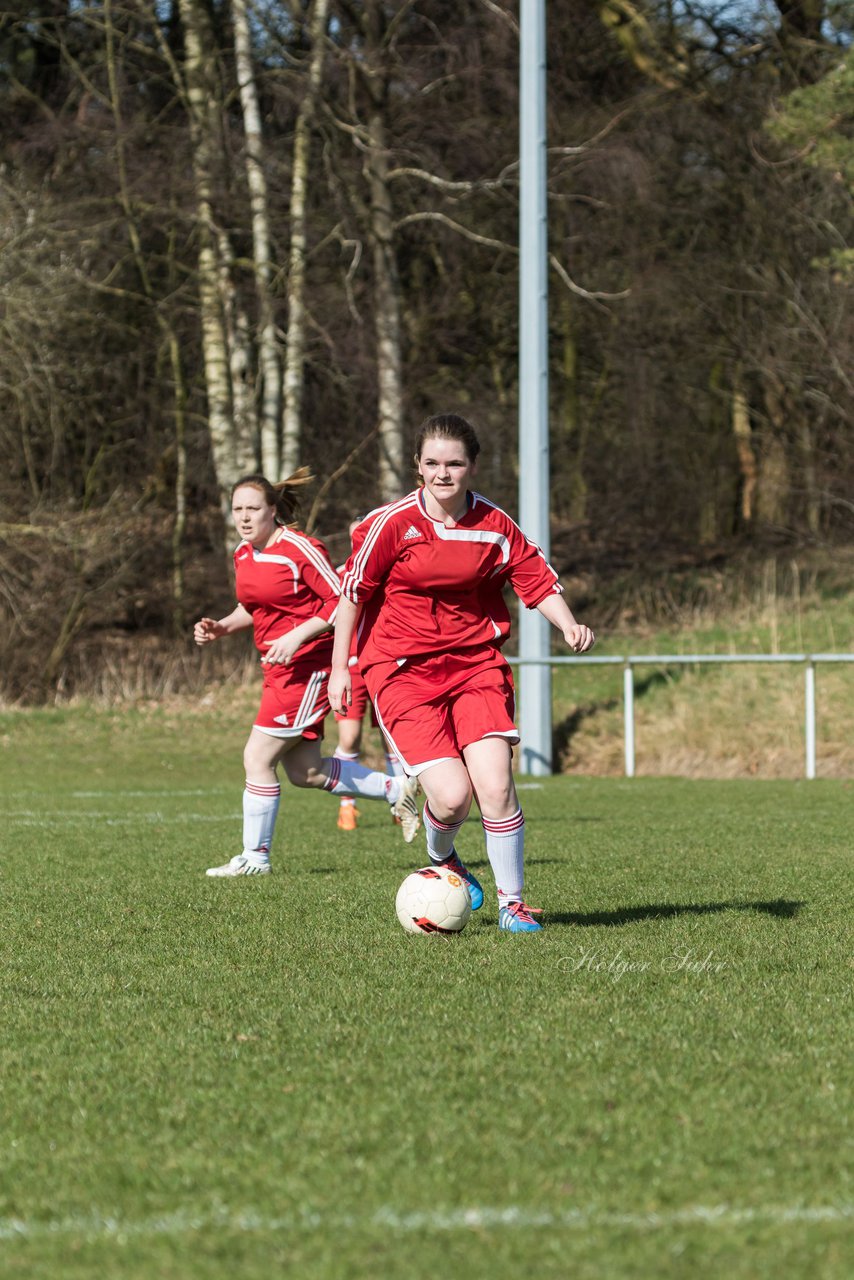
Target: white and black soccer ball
[(433, 900)]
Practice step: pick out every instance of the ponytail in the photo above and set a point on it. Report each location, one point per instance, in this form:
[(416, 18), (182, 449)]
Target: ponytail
[(282, 496)]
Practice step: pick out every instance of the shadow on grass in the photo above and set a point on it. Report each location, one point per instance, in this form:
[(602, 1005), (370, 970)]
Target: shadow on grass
[(781, 908), (479, 865)]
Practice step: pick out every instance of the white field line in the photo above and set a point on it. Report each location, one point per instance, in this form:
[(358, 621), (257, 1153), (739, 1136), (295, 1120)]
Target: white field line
[(150, 795), (97, 1226), (30, 818)]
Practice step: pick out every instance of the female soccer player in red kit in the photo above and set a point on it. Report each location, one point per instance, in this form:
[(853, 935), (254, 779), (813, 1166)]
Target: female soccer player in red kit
[(288, 593), (422, 589)]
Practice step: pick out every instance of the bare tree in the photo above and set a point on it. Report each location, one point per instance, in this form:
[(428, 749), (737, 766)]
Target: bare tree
[(223, 341), (269, 361), (296, 332), (373, 69)]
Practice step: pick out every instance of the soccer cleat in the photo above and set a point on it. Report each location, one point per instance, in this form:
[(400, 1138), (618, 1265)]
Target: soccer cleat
[(240, 866), (475, 887), (518, 917), (406, 810), (348, 816)]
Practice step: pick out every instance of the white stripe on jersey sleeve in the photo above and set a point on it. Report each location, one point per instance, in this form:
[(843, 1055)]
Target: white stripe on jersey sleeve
[(353, 579), (478, 497), (264, 557), (311, 553)]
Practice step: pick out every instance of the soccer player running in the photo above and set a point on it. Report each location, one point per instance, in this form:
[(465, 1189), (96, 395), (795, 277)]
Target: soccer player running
[(424, 586), (288, 593)]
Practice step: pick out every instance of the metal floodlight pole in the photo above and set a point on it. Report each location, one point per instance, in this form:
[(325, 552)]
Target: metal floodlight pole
[(535, 682)]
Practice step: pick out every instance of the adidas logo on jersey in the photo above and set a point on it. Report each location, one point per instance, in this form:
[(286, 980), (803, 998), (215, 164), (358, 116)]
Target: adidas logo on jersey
[(282, 719), (411, 532)]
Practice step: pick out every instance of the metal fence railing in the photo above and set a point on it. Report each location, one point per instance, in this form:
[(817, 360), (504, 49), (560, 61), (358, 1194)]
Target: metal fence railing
[(809, 661)]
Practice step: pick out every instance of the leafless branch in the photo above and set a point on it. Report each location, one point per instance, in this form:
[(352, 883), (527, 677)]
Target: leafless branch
[(590, 295), (445, 184), (502, 14), (429, 215), (336, 475)]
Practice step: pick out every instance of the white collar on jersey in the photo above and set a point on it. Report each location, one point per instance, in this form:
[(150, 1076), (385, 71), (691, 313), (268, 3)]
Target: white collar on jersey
[(456, 534), (471, 501)]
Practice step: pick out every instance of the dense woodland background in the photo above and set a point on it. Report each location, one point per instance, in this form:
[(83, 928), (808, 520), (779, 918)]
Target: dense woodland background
[(240, 235)]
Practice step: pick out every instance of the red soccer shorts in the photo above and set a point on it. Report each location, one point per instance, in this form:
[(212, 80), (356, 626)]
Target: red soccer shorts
[(294, 700), (432, 708)]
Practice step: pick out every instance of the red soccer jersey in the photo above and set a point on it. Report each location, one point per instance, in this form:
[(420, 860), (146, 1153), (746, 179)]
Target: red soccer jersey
[(287, 583), (434, 589)]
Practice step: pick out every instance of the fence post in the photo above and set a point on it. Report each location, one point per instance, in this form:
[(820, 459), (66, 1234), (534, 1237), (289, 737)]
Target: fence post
[(809, 714), (629, 718)]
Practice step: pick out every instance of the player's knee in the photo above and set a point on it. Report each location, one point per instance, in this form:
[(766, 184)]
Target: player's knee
[(452, 806), (254, 760), (498, 798)]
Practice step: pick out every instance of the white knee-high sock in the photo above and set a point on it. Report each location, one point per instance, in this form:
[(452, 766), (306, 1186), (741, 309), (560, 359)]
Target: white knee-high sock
[(393, 767), (349, 778), (260, 806), (346, 801), (440, 836), (505, 848)]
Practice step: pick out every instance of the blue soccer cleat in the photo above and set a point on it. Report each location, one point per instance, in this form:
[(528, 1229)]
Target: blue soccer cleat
[(475, 887), (518, 917)]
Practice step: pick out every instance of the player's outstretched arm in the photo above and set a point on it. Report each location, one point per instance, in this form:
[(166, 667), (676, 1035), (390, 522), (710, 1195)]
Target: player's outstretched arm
[(578, 636), (207, 630)]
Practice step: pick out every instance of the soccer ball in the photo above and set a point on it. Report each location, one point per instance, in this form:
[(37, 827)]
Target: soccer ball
[(433, 900)]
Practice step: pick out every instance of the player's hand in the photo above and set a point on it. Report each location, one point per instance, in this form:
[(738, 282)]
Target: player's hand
[(579, 638), (207, 630), (339, 690), (281, 652)]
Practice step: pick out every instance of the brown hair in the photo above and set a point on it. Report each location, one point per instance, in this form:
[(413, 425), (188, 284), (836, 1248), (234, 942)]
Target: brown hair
[(448, 426), (282, 495)]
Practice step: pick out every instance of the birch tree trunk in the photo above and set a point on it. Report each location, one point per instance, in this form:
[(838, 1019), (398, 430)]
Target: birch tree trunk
[(374, 71), (387, 320), (295, 346), (202, 99), (269, 365), (180, 526), (241, 365)]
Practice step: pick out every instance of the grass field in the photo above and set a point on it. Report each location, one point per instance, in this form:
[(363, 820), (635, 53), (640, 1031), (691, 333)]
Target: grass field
[(252, 1078)]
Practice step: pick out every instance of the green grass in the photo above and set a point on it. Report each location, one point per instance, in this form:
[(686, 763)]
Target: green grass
[(265, 1077)]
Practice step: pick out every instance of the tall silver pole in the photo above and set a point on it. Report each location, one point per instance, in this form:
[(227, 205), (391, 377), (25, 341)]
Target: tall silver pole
[(629, 719), (809, 714), (535, 682)]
